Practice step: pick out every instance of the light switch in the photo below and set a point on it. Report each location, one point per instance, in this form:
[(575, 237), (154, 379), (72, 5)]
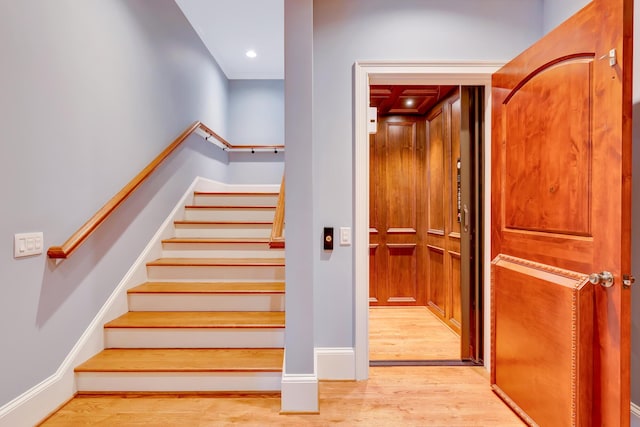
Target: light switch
[(27, 244), (345, 236)]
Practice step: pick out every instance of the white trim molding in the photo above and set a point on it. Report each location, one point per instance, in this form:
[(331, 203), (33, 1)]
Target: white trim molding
[(476, 73), (335, 363), (299, 394)]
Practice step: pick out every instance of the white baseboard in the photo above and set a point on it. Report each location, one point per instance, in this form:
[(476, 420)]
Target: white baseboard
[(300, 391), (41, 400), (635, 412), (205, 184), (299, 394), (336, 363)]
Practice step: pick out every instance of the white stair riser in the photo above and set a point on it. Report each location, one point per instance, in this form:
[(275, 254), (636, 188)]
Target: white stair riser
[(220, 250), (223, 230), (216, 273), (236, 200), (194, 337), (206, 302), (177, 381), (228, 214)]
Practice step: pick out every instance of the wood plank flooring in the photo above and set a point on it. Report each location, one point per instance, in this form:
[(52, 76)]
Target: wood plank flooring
[(410, 333), (393, 396)]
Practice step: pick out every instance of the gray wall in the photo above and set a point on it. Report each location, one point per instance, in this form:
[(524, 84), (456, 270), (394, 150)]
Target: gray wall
[(256, 112), (350, 30), (91, 92), (300, 194), (555, 12), (256, 117)]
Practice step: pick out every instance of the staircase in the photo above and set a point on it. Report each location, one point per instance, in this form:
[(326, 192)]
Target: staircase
[(210, 318)]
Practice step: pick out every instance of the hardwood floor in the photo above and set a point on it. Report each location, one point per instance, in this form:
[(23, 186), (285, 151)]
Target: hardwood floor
[(410, 333), (393, 396)]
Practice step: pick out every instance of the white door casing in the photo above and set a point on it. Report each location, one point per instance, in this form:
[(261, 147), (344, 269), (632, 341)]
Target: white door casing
[(477, 73)]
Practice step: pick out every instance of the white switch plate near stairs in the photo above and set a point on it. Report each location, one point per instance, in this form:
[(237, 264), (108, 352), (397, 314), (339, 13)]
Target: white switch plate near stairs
[(27, 244)]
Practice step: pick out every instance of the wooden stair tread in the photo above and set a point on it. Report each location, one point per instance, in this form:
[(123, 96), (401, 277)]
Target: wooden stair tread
[(214, 240), (185, 360), (215, 262), (199, 319), (209, 288)]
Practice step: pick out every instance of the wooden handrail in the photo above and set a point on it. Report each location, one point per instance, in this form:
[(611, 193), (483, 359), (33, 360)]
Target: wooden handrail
[(232, 147), (277, 237), (77, 238)]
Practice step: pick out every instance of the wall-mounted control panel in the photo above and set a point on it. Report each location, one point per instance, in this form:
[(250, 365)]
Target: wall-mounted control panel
[(327, 237), (27, 244)]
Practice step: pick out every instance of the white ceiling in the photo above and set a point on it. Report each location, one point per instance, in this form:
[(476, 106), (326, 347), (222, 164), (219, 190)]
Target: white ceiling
[(229, 28)]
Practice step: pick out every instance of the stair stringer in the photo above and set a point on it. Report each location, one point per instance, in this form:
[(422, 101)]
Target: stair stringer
[(53, 392)]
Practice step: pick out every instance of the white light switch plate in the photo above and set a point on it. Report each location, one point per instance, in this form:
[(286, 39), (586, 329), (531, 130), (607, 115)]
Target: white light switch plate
[(345, 236), (27, 244)]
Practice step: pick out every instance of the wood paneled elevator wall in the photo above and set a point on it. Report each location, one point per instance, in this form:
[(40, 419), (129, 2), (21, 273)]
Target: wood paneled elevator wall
[(414, 211)]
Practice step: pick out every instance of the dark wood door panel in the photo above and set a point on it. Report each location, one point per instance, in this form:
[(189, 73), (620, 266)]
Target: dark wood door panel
[(374, 279), (455, 314), (401, 168), (454, 171), (435, 172), (402, 276), (437, 287), (396, 191)]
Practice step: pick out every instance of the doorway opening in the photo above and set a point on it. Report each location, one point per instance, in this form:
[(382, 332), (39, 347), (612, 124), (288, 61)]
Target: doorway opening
[(408, 73), (425, 233)]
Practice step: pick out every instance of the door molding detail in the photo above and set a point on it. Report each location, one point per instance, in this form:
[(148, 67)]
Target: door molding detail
[(471, 73)]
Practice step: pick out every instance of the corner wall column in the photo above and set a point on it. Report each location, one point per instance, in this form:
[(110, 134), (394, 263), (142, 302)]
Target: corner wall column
[(299, 382)]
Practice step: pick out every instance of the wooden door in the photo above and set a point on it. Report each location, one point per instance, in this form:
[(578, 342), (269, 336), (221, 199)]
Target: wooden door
[(397, 212), (561, 166)]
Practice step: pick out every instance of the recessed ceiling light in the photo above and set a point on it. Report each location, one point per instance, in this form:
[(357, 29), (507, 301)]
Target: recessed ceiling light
[(409, 102), (251, 53)]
